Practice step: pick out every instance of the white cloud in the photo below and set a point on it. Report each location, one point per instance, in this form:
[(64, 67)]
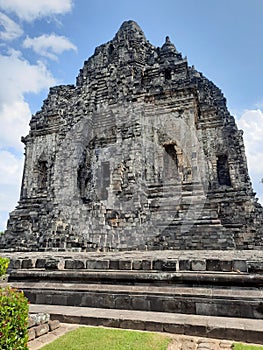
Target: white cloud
[(18, 77), (11, 29), (10, 168), (14, 124), (29, 10), (49, 45), (251, 122)]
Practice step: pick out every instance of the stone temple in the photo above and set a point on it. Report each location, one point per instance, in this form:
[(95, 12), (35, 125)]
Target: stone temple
[(140, 154)]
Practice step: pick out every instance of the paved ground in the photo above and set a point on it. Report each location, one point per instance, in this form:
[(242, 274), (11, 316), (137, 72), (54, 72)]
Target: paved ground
[(180, 342)]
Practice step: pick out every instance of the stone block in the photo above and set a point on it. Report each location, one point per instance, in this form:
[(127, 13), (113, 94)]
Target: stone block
[(187, 307), (225, 344), (58, 299), (137, 265), (53, 324), (28, 263), (42, 318), (102, 264), (123, 302), (213, 265), (42, 298), (114, 265), (184, 265), (153, 326), (31, 333), (226, 265), (88, 299), (125, 265), (74, 299), (31, 320), (252, 336), (132, 324), (146, 265), (195, 330), (40, 263), (31, 296), (157, 264), (54, 264), (90, 264), (169, 265), (240, 266), (217, 332), (15, 264), (173, 328), (198, 265), (156, 303), (75, 264), (205, 344), (206, 308), (140, 303), (172, 305), (42, 329), (106, 301), (109, 322), (255, 266)]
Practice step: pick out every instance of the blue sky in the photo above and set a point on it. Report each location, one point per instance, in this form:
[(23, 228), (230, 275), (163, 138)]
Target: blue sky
[(45, 42)]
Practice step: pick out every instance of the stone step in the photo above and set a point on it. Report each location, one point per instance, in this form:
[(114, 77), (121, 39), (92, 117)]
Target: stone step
[(163, 192), (185, 221), (231, 302), (153, 278), (245, 330)]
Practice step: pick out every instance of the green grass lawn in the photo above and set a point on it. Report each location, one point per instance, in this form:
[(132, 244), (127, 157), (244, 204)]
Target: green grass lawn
[(240, 346), (93, 338)]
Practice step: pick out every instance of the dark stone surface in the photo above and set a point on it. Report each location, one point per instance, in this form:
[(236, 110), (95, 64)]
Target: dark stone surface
[(169, 265), (213, 265), (75, 264), (27, 263), (184, 265), (125, 265), (54, 264), (40, 263), (240, 265)]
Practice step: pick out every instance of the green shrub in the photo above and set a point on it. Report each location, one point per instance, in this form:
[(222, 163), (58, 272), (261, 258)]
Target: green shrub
[(13, 319), (4, 262)]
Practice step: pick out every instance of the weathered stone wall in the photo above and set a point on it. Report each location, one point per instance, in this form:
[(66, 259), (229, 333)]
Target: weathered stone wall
[(141, 154)]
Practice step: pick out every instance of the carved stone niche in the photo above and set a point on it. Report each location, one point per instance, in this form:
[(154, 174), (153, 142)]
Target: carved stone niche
[(170, 162), (223, 175)]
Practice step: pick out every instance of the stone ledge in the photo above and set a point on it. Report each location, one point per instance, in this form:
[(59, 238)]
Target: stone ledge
[(135, 264)]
